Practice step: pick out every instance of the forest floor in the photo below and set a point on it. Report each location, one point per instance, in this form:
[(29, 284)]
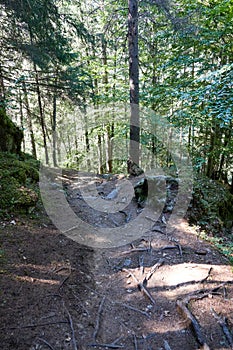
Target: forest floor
[(162, 291)]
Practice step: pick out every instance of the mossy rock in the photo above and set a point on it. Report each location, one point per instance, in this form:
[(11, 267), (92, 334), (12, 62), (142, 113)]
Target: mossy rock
[(10, 135), (19, 175)]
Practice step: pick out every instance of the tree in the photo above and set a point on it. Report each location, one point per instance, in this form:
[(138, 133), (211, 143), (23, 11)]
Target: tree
[(134, 80)]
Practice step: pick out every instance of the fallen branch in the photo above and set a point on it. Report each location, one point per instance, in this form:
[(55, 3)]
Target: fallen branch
[(65, 279), (166, 345), (141, 262), (176, 246), (223, 323), (36, 325), (154, 268), (191, 320), (141, 285), (133, 309), (72, 327), (98, 318), (110, 346), (135, 342), (208, 275), (46, 343)]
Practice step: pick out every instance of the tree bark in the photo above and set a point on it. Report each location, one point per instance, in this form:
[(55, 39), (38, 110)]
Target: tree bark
[(2, 91), (133, 80), (42, 121), (54, 129), (29, 120)]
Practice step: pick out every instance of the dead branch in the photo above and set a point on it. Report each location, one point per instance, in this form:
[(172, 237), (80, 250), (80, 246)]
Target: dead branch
[(208, 275), (133, 309), (65, 279), (135, 342), (35, 325), (46, 343), (133, 250), (166, 345), (98, 318), (141, 262), (71, 326), (132, 275), (110, 346), (223, 323), (192, 322), (154, 268), (142, 287), (180, 249)]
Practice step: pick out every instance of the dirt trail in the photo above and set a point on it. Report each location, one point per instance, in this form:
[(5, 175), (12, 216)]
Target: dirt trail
[(164, 291)]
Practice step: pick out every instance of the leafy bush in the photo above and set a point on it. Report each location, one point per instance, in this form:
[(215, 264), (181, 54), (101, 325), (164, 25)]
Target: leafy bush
[(211, 206)]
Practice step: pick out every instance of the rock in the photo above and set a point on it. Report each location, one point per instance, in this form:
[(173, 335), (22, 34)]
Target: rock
[(133, 168), (10, 135)]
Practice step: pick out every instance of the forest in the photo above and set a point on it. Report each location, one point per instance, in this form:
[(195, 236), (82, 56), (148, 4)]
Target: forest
[(137, 89), (91, 84)]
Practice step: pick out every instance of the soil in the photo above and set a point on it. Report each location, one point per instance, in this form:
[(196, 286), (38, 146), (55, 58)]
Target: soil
[(166, 290)]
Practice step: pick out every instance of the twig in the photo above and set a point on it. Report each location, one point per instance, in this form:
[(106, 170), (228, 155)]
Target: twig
[(193, 323), (80, 302), (65, 279), (141, 266), (154, 268), (132, 275), (46, 343), (110, 346), (71, 326), (133, 309), (142, 287), (208, 275), (149, 218), (98, 318), (223, 323), (135, 342), (166, 345), (35, 325), (176, 246), (132, 250)]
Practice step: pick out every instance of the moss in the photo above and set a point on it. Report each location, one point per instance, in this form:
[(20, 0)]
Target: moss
[(19, 175), (10, 135), (211, 206)]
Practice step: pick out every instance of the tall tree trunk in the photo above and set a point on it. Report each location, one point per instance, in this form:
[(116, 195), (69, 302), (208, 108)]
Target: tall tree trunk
[(100, 155), (21, 117), (87, 141), (54, 129), (29, 120), (133, 80), (42, 121), (2, 91)]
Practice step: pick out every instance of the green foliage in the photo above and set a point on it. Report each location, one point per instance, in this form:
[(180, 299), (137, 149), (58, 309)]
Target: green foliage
[(18, 178), (211, 206), (10, 135)]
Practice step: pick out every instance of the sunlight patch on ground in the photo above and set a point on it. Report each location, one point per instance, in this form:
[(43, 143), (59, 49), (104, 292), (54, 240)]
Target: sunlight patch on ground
[(36, 280)]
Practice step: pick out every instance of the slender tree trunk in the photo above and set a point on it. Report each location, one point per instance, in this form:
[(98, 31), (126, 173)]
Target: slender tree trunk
[(87, 141), (100, 156), (133, 80), (29, 121), (42, 121), (21, 117), (2, 91), (54, 129)]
